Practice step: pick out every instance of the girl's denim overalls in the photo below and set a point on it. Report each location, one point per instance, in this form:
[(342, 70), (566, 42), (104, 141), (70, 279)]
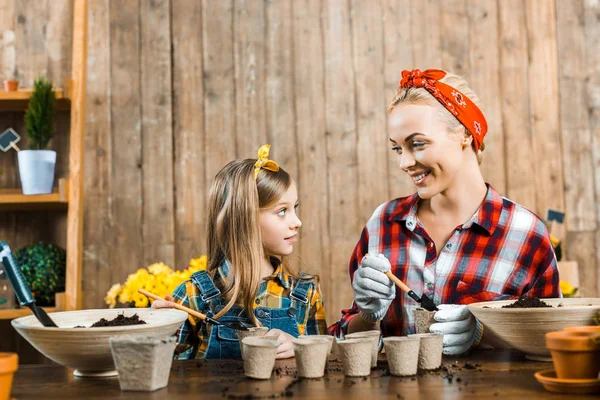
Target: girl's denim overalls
[(223, 341)]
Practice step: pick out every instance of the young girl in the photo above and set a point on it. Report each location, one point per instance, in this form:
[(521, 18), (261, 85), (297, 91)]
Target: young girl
[(252, 227), (456, 239)]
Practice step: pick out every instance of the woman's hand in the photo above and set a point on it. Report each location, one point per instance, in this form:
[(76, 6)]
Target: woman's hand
[(168, 302), (460, 328), (286, 347)]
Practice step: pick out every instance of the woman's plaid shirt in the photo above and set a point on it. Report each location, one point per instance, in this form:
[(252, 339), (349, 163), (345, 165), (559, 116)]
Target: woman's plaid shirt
[(274, 291), (502, 252)]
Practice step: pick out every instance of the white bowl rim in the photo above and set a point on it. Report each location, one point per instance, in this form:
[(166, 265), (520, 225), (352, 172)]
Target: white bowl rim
[(497, 305), (18, 323)]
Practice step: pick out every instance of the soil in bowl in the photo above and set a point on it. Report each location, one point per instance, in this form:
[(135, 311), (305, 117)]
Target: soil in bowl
[(120, 320), (527, 302)]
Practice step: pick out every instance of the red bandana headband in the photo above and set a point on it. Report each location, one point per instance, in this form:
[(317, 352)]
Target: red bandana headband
[(457, 103)]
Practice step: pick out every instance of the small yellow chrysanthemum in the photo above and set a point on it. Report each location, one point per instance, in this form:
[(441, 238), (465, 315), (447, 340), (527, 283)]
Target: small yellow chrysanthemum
[(567, 289), (157, 278)]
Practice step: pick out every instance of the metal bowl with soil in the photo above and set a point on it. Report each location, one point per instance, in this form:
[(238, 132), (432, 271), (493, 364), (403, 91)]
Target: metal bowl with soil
[(524, 328), (76, 345)]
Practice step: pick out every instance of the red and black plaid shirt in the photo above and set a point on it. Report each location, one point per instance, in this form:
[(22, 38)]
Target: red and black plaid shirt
[(502, 252)]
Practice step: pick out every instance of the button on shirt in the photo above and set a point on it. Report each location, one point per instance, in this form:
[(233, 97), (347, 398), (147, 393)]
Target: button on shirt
[(502, 252)]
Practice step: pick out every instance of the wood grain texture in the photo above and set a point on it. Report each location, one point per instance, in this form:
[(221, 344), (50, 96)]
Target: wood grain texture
[(372, 139), (97, 225), (514, 102), (341, 135), (249, 57), (398, 56), (189, 135), (484, 78), (575, 125), (158, 228), (544, 105), (309, 102), (126, 201), (501, 374)]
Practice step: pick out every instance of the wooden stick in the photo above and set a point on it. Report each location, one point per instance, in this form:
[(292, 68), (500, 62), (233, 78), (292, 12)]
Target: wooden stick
[(398, 282), (14, 146), (177, 306)]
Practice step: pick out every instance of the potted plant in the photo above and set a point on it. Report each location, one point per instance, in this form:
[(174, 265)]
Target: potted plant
[(44, 268), (36, 166)]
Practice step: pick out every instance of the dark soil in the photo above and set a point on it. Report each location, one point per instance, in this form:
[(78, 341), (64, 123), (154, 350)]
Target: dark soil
[(527, 302), (120, 320)]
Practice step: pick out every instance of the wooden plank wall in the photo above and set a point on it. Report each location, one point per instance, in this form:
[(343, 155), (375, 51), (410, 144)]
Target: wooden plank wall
[(178, 88)]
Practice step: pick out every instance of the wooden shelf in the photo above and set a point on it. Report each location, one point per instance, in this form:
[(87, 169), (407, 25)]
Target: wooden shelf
[(15, 200), (18, 100), (21, 312)]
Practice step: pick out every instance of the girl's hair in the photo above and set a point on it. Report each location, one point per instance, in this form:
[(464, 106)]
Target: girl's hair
[(420, 95), (235, 200)]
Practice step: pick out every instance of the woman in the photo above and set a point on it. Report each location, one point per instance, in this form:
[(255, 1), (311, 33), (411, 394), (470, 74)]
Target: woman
[(456, 239)]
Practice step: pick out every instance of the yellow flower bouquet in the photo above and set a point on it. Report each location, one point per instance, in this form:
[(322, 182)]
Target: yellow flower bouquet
[(567, 289), (157, 278)]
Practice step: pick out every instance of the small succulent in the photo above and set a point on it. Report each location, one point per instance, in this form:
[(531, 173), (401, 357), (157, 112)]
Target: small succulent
[(44, 267)]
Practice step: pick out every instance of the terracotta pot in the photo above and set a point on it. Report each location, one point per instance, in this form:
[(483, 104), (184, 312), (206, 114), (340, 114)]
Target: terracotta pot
[(9, 362), (11, 85), (593, 329), (576, 354)]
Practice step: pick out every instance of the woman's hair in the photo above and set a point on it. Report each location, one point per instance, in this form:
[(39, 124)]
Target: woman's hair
[(235, 201), (415, 95)]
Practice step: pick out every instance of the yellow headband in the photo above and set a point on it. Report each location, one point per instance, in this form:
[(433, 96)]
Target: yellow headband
[(263, 161)]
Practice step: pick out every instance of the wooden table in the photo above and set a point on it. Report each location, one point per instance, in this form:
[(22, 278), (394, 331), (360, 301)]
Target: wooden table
[(498, 374)]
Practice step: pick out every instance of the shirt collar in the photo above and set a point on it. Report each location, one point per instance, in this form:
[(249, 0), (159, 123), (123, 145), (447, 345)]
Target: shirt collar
[(279, 274), (487, 216), (489, 212)]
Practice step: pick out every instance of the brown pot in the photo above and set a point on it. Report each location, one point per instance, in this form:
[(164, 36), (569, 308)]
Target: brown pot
[(11, 86), (576, 354), (593, 329), (9, 362)]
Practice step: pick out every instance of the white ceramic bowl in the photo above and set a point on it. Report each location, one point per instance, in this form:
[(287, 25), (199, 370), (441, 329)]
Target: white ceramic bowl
[(87, 350), (525, 328)]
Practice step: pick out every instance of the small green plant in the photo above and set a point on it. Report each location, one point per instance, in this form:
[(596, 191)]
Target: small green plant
[(44, 267), (39, 118)]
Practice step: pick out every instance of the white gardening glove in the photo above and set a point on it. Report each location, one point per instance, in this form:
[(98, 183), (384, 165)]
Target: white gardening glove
[(460, 328), (373, 290)]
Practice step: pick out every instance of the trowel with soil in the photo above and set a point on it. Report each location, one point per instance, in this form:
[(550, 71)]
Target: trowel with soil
[(22, 291), (425, 301)]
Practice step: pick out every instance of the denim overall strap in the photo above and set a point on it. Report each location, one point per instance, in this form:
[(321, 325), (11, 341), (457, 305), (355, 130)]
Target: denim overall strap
[(299, 299), (206, 286), (300, 291)]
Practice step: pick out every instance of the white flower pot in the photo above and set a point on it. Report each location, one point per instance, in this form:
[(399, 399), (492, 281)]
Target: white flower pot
[(36, 168)]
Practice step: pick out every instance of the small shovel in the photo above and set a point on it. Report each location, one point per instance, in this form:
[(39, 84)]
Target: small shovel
[(425, 301), (236, 325), (17, 281)]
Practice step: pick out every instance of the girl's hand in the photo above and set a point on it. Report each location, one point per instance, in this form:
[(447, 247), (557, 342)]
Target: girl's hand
[(168, 302), (286, 347)]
